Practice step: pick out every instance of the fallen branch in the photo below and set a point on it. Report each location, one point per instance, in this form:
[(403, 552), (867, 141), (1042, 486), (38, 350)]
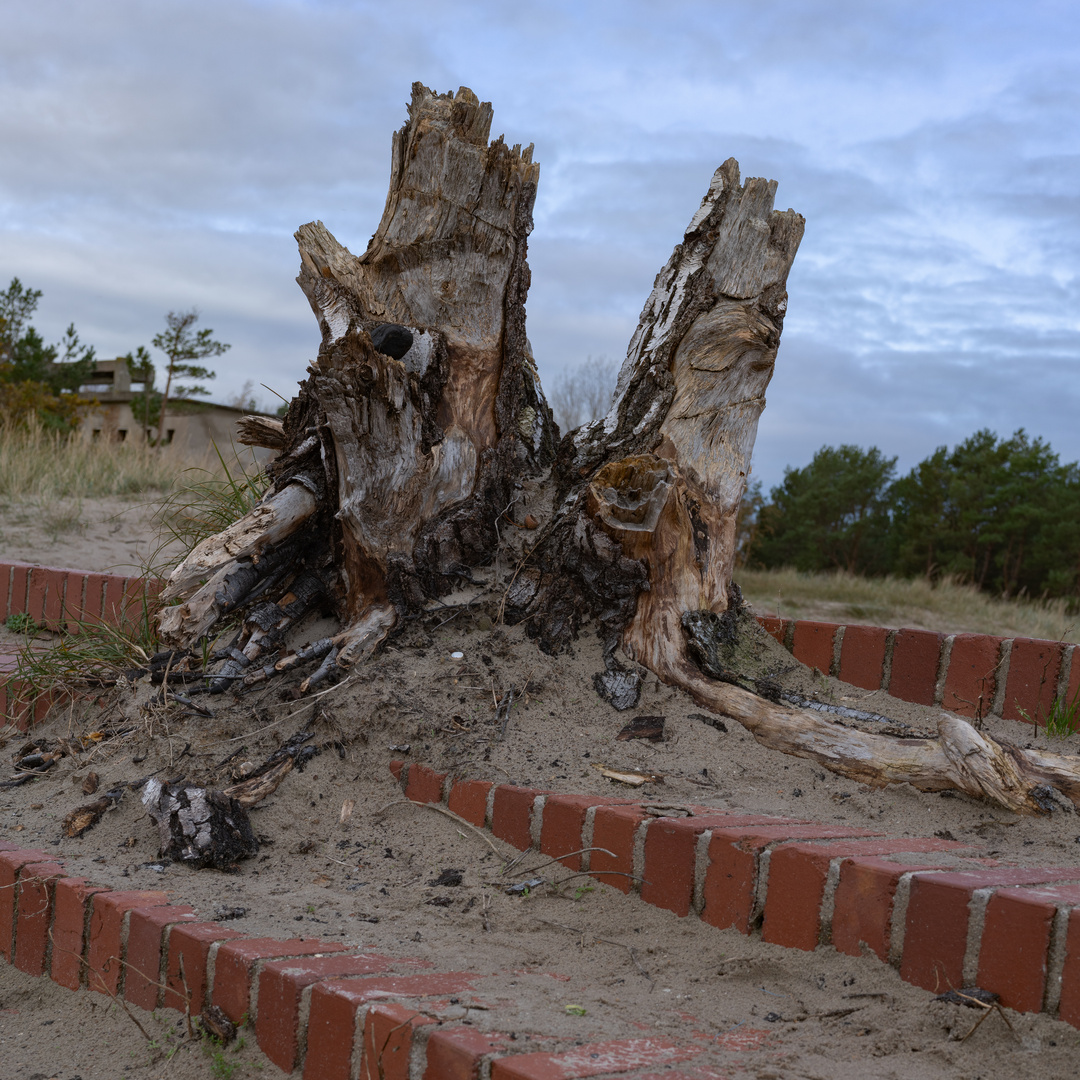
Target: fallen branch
[(446, 813), (960, 758)]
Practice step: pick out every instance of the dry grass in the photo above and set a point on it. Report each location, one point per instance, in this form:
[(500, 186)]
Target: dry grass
[(37, 466), (946, 607), (205, 502)]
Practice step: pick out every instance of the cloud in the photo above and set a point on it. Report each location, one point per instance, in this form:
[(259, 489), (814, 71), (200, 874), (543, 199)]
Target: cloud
[(159, 156)]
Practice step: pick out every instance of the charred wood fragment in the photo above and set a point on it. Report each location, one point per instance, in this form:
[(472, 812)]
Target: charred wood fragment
[(200, 827)]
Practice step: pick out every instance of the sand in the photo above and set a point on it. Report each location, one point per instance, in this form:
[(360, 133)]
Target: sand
[(366, 882)]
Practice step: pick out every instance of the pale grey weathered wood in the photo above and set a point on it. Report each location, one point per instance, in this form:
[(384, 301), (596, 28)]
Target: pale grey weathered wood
[(423, 413)]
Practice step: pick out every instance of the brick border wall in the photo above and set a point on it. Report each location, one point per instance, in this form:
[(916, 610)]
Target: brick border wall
[(942, 915), (317, 1009), (969, 674), (931, 908), (56, 597)]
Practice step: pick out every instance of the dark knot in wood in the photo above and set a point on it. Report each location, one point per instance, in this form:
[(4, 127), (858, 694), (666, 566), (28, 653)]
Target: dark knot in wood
[(392, 339)]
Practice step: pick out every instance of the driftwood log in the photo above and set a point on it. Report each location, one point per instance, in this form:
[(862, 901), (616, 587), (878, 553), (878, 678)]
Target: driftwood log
[(423, 416)]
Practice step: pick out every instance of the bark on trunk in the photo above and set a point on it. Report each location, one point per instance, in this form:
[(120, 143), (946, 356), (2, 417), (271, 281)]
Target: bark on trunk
[(423, 413)]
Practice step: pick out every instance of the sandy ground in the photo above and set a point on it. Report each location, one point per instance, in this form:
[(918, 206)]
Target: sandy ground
[(117, 535), (367, 881)]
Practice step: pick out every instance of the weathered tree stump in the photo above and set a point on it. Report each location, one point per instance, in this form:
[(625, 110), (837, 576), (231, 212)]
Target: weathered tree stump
[(423, 414)]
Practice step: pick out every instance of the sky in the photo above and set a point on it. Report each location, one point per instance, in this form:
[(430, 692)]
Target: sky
[(157, 155)]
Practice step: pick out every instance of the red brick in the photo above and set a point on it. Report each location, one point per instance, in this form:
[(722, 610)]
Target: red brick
[(614, 828), (11, 862), (915, 660), (113, 606), (136, 595), (468, 799), (775, 627), (812, 644), (1073, 692), (1069, 1009), (396, 766), (71, 902), (43, 702), (1015, 943), (20, 583), (425, 785), (37, 593), (592, 1059), (94, 597), (863, 904), (388, 1035), (457, 1053), (334, 1004), (797, 875), (146, 930), (37, 885), (972, 676), (511, 814), (671, 856), (189, 953), (936, 927), (563, 823), (6, 570), (104, 970), (237, 961), (20, 703), (1034, 667), (732, 873), (54, 599), (73, 609), (862, 656), (281, 984)]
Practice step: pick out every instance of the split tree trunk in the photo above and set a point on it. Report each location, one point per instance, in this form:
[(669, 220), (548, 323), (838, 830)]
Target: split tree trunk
[(401, 453)]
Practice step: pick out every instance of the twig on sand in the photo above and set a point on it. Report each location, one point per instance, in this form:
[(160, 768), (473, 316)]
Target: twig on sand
[(989, 1007), (559, 858), (440, 810)]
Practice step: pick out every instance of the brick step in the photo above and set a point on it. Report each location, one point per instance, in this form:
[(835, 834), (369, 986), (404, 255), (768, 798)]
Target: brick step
[(56, 598), (938, 912), (969, 674), (316, 1007)]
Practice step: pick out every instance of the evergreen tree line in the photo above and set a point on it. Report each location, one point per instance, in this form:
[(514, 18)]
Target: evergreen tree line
[(1001, 514)]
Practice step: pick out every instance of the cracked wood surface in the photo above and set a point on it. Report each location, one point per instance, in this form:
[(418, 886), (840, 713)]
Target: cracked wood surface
[(423, 414)]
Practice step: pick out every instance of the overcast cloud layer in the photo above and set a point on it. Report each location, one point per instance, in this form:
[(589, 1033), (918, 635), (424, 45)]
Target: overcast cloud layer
[(159, 155)]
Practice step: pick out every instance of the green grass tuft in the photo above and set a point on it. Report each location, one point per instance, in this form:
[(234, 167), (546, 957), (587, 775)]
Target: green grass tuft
[(1063, 719), (207, 502)]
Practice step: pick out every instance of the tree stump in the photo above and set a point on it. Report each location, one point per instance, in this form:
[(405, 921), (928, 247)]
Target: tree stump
[(423, 414)]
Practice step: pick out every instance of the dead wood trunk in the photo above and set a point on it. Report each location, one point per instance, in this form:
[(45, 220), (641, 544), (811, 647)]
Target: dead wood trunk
[(423, 408), (423, 413)]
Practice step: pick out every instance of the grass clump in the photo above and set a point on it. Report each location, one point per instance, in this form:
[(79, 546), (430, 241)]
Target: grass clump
[(93, 652), (37, 465), (96, 653), (208, 501), (1063, 719), (945, 606)]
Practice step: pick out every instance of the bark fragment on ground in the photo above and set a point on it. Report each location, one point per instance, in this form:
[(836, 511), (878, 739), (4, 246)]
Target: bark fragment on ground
[(199, 826)]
